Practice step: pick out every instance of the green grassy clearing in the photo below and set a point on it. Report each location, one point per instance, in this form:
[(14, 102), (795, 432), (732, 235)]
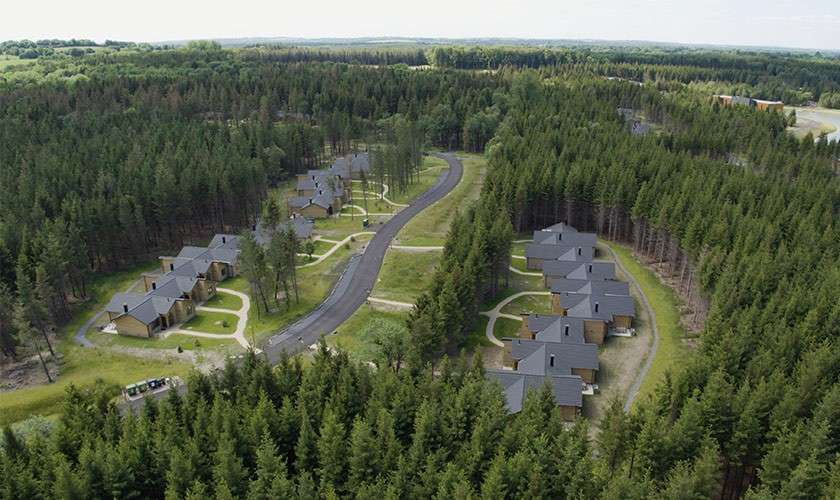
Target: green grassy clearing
[(224, 300), (224, 343), (518, 249), (212, 322), (7, 61), (666, 306), (321, 247), (350, 338), (534, 304), (430, 171), (430, 226), (405, 275), (506, 327), (338, 228), (84, 368)]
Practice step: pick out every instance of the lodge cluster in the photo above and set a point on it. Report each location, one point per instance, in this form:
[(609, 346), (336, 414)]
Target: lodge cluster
[(322, 193), (186, 280), (561, 349)]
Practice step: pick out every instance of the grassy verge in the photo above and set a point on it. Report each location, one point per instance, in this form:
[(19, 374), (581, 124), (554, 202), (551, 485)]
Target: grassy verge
[(431, 169), (350, 338), (212, 322), (534, 304), (338, 228), (522, 265), (430, 226), (223, 344), (665, 305), (405, 275), (224, 300), (506, 327)]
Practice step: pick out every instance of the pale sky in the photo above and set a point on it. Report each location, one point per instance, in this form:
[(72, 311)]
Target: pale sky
[(782, 23)]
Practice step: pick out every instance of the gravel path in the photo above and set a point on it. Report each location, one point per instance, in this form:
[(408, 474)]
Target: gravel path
[(640, 377)]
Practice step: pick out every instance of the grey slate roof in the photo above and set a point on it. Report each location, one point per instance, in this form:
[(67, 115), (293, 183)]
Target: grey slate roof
[(558, 252), (144, 308), (561, 329), (359, 162), (552, 358), (340, 167), (579, 270), (301, 227), (590, 287), (191, 268), (561, 227), (173, 286), (567, 390), (603, 307), (565, 238)]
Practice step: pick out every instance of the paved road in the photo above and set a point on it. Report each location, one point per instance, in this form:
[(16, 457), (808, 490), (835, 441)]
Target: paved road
[(359, 277)]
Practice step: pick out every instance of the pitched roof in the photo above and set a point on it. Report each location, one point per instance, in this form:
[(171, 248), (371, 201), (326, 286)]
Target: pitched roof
[(603, 307), (561, 227), (552, 358), (567, 390), (359, 162), (579, 270), (144, 308), (173, 286), (576, 239), (590, 287), (189, 267), (558, 252)]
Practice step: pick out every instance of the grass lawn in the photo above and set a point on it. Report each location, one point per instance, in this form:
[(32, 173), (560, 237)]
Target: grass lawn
[(224, 300), (322, 247), (522, 265), (187, 342), (665, 305), (338, 228), (212, 322), (405, 275), (535, 304), (518, 249), (83, 367), (430, 171), (431, 225), (350, 338), (506, 327)]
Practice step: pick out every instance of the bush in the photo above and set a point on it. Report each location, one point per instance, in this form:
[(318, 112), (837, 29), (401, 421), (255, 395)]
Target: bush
[(225, 323), (347, 246)]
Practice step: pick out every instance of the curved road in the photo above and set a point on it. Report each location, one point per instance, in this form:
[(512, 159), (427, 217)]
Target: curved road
[(358, 279)]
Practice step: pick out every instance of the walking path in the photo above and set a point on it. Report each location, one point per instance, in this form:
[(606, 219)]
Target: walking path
[(407, 248), (640, 377), (523, 273), (401, 305), (359, 277), (364, 213), (496, 313), (338, 244), (241, 314), (382, 196), (80, 336)]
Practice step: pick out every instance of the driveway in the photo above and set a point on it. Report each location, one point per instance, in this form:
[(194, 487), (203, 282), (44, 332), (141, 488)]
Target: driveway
[(359, 277)]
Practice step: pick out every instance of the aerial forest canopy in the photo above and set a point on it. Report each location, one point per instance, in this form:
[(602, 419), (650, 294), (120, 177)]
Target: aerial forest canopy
[(126, 154)]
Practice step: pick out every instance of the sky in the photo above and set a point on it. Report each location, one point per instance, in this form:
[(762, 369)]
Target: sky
[(779, 23)]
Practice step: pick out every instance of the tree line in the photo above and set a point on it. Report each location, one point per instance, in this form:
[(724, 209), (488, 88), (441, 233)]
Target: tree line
[(336, 429), (730, 205)]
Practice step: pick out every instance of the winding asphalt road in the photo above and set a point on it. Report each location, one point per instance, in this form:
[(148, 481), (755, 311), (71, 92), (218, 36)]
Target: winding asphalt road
[(359, 277)]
